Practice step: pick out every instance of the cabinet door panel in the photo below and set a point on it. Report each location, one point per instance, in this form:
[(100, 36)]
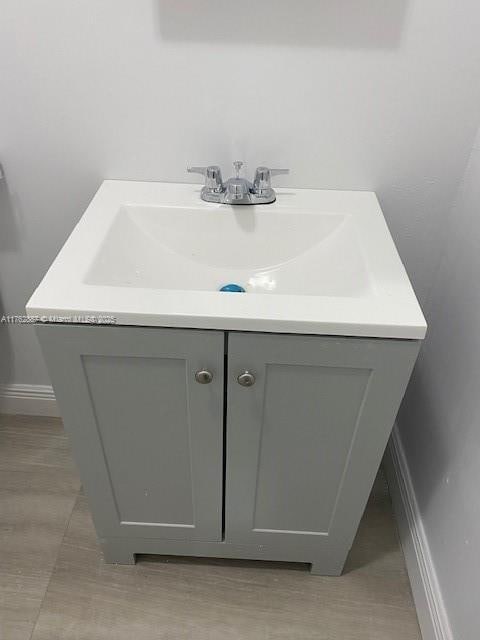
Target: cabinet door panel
[(148, 439), (301, 465), (305, 441)]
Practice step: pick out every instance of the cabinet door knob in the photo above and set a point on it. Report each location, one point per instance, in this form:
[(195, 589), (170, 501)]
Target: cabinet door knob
[(203, 376), (246, 379)]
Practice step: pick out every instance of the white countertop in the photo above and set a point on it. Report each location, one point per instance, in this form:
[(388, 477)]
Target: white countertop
[(155, 254)]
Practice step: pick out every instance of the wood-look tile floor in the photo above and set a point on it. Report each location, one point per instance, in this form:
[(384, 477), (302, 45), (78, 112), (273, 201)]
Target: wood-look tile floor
[(54, 584)]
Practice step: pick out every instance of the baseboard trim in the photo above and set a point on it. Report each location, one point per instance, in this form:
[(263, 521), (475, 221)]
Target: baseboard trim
[(28, 399), (427, 595)]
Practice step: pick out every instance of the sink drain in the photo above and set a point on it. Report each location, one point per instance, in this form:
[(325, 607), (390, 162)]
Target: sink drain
[(232, 288)]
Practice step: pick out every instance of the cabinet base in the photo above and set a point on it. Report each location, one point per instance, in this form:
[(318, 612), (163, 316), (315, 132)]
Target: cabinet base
[(124, 550), (114, 554)]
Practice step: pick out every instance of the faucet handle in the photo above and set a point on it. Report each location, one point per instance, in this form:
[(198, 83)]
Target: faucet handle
[(262, 180), (213, 177)]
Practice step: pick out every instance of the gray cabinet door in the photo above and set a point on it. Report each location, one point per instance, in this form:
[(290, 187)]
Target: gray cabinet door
[(147, 437), (305, 441)]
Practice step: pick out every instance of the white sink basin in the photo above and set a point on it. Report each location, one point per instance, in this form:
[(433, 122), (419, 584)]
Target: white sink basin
[(155, 254), (264, 250)]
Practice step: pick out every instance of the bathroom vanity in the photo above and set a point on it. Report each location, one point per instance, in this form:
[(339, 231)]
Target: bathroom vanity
[(236, 425)]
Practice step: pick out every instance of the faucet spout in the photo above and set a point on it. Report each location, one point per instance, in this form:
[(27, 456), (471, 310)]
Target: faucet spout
[(237, 189)]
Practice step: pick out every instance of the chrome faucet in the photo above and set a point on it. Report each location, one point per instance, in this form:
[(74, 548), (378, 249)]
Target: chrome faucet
[(237, 190)]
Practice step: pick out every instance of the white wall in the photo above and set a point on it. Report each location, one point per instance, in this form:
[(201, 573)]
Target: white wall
[(349, 94), (440, 421)]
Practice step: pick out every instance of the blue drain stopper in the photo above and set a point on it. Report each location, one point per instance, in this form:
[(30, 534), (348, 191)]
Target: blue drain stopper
[(232, 288)]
